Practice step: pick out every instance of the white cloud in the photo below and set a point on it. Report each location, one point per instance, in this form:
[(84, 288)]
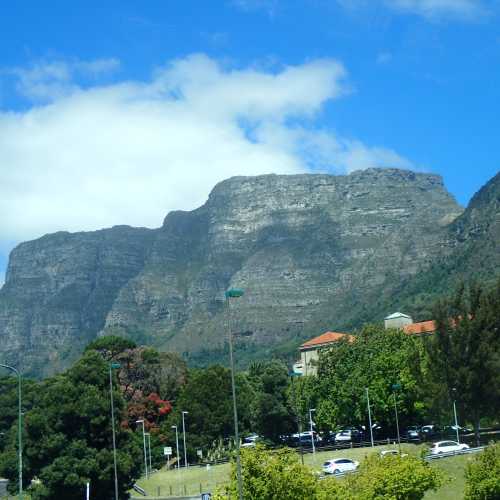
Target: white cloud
[(44, 80), (430, 9), (465, 9), (128, 152)]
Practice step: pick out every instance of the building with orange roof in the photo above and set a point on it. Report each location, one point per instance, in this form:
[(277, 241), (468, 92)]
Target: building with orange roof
[(309, 351), (421, 328), (405, 323)]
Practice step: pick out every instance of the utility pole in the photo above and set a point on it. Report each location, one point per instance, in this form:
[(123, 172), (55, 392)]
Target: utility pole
[(234, 293), (113, 366), (311, 410), (396, 387), (369, 415)]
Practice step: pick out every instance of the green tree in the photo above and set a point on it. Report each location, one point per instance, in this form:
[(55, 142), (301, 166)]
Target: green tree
[(110, 346), (68, 439), (482, 476), (208, 399), (464, 353), (376, 360), (271, 475), (272, 413)]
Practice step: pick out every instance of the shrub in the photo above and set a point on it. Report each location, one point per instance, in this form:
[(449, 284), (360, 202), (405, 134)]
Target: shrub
[(271, 475), (394, 478), (482, 476)]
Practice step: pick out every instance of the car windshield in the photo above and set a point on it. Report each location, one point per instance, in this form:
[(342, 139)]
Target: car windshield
[(326, 464)]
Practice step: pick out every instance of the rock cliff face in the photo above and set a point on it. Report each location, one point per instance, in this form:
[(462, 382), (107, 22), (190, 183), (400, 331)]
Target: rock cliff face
[(311, 251)]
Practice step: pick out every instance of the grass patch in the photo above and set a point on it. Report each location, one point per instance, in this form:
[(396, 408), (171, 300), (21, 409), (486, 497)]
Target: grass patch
[(195, 479), (189, 481), (454, 467)]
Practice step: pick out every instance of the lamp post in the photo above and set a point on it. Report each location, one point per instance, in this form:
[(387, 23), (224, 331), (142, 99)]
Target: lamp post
[(234, 293), (177, 445), (396, 387), (148, 435), (454, 391), (311, 410), (144, 445), (113, 366), (297, 413), (369, 415), (184, 438), (20, 426)]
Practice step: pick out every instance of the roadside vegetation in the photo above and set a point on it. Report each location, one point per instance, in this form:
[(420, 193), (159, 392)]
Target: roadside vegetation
[(67, 424)]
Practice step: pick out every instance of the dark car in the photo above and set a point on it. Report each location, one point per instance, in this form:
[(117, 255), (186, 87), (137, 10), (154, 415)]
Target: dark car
[(451, 430), (412, 433), (430, 431)]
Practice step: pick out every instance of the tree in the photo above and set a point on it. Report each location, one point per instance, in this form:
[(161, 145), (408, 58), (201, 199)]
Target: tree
[(208, 399), (272, 414), (271, 475), (376, 360), (464, 353), (110, 346), (68, 439), (482, 475)]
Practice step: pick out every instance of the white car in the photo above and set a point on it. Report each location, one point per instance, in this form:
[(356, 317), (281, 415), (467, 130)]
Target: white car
[(447, 447), (339, 465)]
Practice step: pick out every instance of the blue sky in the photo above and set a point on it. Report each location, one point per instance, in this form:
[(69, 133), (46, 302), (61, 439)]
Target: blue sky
[(118, 111)]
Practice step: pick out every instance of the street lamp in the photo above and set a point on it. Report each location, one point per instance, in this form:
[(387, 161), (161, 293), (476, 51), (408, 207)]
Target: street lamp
[(184, 438), (297, 413), (113, 366), (396, 387), (19, 428), (311, 410), (454, 391), (234, 293), (177, 445), (148, 435), (144, 444), (369, 415)]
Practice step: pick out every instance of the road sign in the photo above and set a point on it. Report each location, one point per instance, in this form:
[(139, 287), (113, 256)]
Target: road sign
[(199, 453), (167, 450), (206, 496)]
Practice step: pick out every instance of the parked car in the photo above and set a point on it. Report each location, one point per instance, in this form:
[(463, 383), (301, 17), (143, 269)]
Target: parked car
[(412, 433), (304, 439), (429, 431), (339, 465), (250, 441), (447, 447), (350, 434), (451, 430)]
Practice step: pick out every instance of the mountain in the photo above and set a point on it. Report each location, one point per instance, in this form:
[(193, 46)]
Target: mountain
[(471, 252), (312, 252)]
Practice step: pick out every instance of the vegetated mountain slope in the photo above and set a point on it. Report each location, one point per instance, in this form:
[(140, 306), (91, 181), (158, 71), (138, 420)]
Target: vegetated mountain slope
[(471, 252), (313, 252)]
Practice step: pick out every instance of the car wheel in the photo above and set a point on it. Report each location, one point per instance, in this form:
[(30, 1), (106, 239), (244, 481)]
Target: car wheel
[(336, 471)]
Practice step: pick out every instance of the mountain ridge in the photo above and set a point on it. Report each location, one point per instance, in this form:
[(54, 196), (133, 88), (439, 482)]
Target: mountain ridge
[(313, 251)]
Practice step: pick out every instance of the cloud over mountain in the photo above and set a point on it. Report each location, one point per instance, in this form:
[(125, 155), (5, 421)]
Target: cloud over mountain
[(83, 155)]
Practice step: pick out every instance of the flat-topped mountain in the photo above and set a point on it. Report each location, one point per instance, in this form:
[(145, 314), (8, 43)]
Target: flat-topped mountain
[(312, 252)]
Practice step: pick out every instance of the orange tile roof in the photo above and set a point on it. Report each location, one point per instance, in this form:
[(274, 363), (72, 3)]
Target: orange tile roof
[(326, 338), (420, 328)]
